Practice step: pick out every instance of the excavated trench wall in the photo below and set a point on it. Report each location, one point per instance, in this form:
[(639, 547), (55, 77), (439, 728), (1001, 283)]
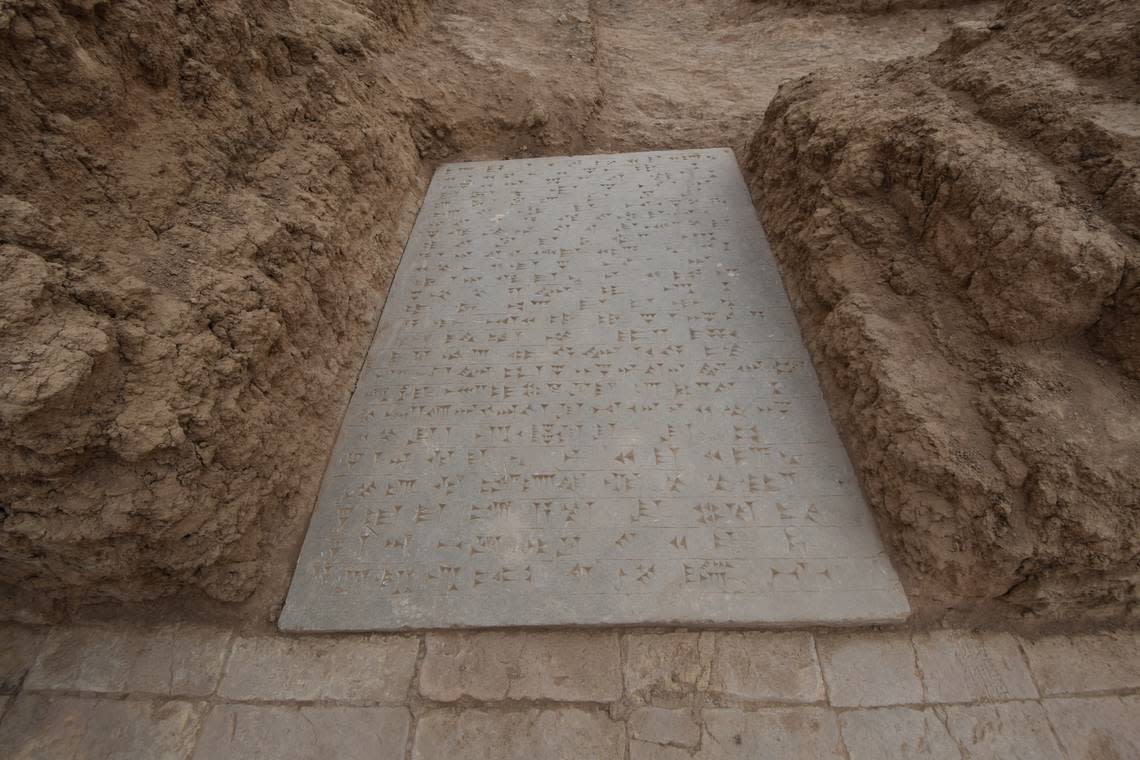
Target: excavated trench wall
[(865, 6), (201, 205), (960, 237)]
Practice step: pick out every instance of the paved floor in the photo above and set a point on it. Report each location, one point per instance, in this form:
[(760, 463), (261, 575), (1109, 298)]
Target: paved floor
[(588, 402), (198, 692)]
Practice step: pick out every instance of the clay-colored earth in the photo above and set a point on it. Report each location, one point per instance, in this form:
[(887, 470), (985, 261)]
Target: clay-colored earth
[(202, 204), (961, 237)]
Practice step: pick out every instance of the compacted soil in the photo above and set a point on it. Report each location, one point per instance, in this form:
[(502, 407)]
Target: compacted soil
[(202, 204)]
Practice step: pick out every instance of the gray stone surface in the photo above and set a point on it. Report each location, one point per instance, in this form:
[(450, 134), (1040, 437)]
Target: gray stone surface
[(563, 734), (957, 666), (533, 694), (45, 727), (376, 669), (664, 668), (17, 653), (766, 667), (588, 402), (270, 732), (869, 669), (730, 734), (1086, 663), (1098, 728), (897, 733), (1002, 731), (173, 660), (566, 666), (667, 668), (670, 728)]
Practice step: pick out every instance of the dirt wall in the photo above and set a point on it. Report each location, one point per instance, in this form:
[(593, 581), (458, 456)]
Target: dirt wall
[(201, 207), (200, 213), (959, 235), (865, 6)]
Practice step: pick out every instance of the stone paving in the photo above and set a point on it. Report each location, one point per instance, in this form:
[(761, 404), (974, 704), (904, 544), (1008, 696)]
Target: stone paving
[(198, 692)]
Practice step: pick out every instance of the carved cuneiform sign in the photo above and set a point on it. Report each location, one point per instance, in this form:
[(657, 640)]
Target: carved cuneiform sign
[(588, 403)]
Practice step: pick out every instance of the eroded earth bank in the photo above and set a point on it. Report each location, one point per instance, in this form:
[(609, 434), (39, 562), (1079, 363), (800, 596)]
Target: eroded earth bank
[(961, 237), (202, 205)]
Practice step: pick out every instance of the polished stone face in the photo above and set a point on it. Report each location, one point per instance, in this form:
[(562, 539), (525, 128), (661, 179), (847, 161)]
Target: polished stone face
[(588, 403)]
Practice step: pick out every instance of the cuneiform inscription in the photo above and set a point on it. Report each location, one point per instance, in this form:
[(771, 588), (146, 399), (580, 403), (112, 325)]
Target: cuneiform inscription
[(587, 384)]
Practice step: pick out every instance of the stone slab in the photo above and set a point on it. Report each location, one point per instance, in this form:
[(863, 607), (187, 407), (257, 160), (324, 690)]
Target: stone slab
[(957, 666), (256, 732), (666, 668), (1085, 663), (368, 669), (588, 403), (753, 666), (563, 734), (729, 734), (669, 728), (568, 666), (17, 653), (1002, 731), (897, 733), (177, 660), (1097, 727), (869, 669), (766, 666), (37, 727)]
